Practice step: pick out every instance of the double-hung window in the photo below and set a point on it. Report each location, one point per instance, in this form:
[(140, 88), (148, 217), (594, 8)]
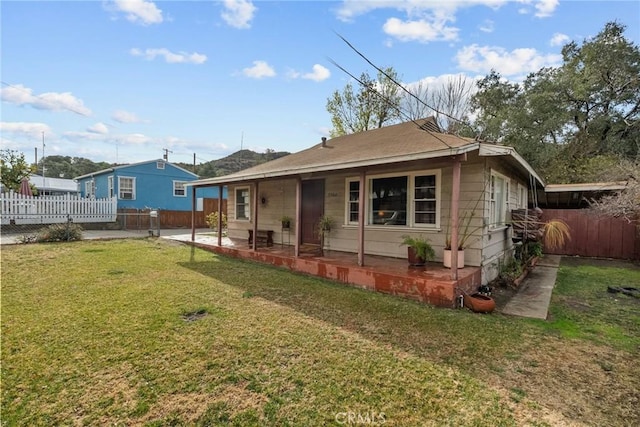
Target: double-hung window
[(396, 200), (179, 189), (498, 201), (110, 185), (90, 188), (242, 203), (126, 188)]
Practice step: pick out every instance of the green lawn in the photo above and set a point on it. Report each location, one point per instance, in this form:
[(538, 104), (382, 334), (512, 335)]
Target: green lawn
[(94, 333)]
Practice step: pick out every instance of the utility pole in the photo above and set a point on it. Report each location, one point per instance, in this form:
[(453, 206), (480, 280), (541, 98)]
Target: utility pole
[(166, 154), (44, 170), (194, 162)]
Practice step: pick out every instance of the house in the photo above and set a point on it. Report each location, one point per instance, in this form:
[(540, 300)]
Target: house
[(381, 184), (48, 186), (155, 184)]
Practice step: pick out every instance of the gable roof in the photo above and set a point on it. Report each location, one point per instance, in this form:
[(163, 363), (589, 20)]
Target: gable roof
[(103, 171), (391, 144)]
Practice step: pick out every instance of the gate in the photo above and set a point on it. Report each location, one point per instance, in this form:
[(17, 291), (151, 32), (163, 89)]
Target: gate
[(596, 236)]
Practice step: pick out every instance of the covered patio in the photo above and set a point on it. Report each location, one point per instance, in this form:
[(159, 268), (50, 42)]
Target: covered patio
[(431, 284)]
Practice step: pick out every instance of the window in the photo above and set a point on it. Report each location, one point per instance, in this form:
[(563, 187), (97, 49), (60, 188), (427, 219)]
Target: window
[(522, 197), (407, 200), (424, 200), (126, 188), (110, 185), (242, 203), (178, 189), (497, 200), (90, 188), (353, 204), (159, 165)]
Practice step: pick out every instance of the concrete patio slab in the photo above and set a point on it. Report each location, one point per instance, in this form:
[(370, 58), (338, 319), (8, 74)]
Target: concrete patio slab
[(535, 293)]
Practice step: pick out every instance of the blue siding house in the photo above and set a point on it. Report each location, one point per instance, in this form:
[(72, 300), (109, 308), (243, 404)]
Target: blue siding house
[(154, 184)]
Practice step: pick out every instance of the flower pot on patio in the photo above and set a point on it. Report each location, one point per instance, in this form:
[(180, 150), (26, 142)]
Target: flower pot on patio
[(479, 303), (414, 259), (446, 258)]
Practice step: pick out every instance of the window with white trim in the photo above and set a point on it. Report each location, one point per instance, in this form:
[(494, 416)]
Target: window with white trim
[(522, 197), (90, 188), (498, 195), (353, 202), (397, 200), (110, 185), (242, 203), (159, 165), (179, 189), (126, 188)]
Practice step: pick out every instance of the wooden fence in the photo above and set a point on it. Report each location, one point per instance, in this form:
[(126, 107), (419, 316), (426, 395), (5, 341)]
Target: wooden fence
[(20, 209), (140, 219), (596, 236)]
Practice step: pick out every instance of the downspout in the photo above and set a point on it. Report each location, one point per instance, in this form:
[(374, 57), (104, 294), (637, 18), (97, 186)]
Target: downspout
[(193, 213), (361, 204), (220, 215), (455, 204)]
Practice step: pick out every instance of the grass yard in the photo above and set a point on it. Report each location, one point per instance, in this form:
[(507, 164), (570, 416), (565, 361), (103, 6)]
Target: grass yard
[(154, 333)]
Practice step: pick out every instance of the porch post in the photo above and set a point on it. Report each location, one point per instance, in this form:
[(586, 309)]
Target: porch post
[(193, 213), (361, 204), (220, 215), (455, 203), (298, 216), (256, 200)]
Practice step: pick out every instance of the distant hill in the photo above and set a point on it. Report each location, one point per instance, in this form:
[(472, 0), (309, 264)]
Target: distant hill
[(235, 162)]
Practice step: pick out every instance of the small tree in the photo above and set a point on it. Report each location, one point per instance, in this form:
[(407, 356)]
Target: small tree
[(13, 169)]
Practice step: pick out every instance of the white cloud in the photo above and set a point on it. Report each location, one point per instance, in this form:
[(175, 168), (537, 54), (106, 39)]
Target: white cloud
[(487, 26), (545, 8), (99, 128), (52, 101), (170, 57), (482, 59), (259, 70), (122, 116), (26, 129), (138, 11), (559, 39), (420, 30), (238, 13), (318, 74)]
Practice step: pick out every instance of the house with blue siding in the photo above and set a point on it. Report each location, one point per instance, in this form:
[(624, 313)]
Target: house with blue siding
[(154, 184)]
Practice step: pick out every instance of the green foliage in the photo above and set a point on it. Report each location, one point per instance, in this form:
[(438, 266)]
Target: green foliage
[(60, 233), (70, 167), (569, 121), (212, 221), (235, 162), (420, 245), (372, 106), (13, 169)]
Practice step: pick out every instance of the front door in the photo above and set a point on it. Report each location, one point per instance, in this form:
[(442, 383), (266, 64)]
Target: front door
[(312, 209)]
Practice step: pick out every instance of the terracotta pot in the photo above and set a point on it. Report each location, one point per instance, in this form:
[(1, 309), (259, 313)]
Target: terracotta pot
[(414, 260), (479, 303), (446, 258)]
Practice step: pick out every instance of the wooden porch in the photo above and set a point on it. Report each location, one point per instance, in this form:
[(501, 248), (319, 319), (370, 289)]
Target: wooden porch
[(431, 284)]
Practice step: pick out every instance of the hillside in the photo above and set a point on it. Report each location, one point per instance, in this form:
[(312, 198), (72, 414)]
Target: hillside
[(235, 162)]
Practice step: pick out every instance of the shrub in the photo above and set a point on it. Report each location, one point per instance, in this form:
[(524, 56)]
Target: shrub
[(60, 233), (212, 221)]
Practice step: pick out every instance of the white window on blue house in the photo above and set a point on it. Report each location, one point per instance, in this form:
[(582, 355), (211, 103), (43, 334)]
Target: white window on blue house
[(126, 188), (159, 165), (179, 189), (90, 188), (110, 186), (498, 200), (242, 203)]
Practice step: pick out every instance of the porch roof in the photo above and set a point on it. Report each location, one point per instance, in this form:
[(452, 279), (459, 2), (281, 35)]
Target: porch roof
[(402, 142)]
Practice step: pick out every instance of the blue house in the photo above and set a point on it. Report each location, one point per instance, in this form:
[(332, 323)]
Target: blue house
[(154, 184)]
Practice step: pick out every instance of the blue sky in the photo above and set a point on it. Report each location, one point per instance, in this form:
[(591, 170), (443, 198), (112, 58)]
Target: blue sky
[(119, 81)]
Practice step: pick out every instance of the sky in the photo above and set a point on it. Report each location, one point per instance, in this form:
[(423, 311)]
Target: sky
[(122, 81)]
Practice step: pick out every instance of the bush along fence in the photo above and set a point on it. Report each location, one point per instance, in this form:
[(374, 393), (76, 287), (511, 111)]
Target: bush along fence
[(18, 209)]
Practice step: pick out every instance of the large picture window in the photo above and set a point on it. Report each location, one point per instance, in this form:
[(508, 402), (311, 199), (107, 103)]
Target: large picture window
[(405, 200), (242, 203), (126, 188)]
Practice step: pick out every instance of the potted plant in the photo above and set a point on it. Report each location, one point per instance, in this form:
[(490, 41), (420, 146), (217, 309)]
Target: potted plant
[(324, 227), (464, 233), (419, 250), (286, 222)]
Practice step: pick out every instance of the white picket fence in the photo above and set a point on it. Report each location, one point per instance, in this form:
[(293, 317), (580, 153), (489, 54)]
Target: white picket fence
[(20, 209)]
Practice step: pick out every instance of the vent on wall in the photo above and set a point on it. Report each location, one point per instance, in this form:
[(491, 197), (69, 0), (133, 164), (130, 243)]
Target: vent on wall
[(160, 165)]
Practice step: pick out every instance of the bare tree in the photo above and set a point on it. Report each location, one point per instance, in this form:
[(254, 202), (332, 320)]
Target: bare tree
[(625, 204)]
